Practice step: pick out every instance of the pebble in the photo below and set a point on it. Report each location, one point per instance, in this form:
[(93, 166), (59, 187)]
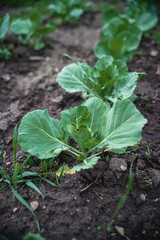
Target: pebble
[(153, 53), (118, 164), (44, 207), (8, 163), (120, 230), (142, 197), (6, 77), (15, 209), (57, 99), (34, 205)]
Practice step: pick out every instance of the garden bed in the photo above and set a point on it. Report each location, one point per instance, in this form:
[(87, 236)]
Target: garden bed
[(84, 205)]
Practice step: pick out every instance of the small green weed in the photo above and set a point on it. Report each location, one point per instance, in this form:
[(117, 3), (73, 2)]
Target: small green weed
[(22, 177)]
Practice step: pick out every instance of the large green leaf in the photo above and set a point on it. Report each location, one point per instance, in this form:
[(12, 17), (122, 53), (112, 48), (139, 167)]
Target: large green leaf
[(113, 27), (146, 21), (109, 14), (20, 26), (96, 108), (121, 127), (4, 26), (41, 135), (125, 85), (101, 49), (74, 78)]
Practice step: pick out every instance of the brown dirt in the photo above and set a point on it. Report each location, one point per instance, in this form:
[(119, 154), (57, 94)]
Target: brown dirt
[(71, 214)]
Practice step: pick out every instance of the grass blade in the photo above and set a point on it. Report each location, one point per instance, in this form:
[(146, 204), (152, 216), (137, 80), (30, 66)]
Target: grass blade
[(32, 185), (25, 204), (15, 144), (53, 184)]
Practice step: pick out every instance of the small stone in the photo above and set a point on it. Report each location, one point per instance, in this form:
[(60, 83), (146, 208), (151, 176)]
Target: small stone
[(88, 201), (120, 230), (47, 59), (6, 77), (142, 197), (153, 53), (8, 163), (74, 238), (44, 207), (34, 205), (123, 168), (118, 164), (15, 209), (30, 74), (56, 69), (57, 99)]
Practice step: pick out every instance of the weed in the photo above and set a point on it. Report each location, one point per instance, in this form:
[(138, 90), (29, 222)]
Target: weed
[(21, 177)]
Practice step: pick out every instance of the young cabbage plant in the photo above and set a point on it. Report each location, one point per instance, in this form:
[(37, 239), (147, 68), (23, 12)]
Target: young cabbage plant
[(109, 79), (30, 31), (94, 126), (68, 10), (122, 33)]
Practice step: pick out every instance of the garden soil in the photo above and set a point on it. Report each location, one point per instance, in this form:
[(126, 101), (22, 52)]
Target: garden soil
[(84, 204)]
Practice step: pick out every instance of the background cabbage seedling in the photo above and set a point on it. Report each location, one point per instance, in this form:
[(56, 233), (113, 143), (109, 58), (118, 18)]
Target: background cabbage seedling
[(122, 33), (109, 79), (30, 29)]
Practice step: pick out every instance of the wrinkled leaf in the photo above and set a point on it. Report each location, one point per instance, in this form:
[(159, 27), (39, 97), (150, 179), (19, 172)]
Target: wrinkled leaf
[(41, 135), (20, 26), (121, 127), (96, 108), (146, 21), (109, 14)]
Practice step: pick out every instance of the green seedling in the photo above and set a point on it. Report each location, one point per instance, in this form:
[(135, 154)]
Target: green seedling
[(149, 182), (30, 29), (50, 89), (68, 10), (21, 177), (4, 53), (98, 228), (122, 33), (144, 97), (109, 79), (33, 236), (94, 126)]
